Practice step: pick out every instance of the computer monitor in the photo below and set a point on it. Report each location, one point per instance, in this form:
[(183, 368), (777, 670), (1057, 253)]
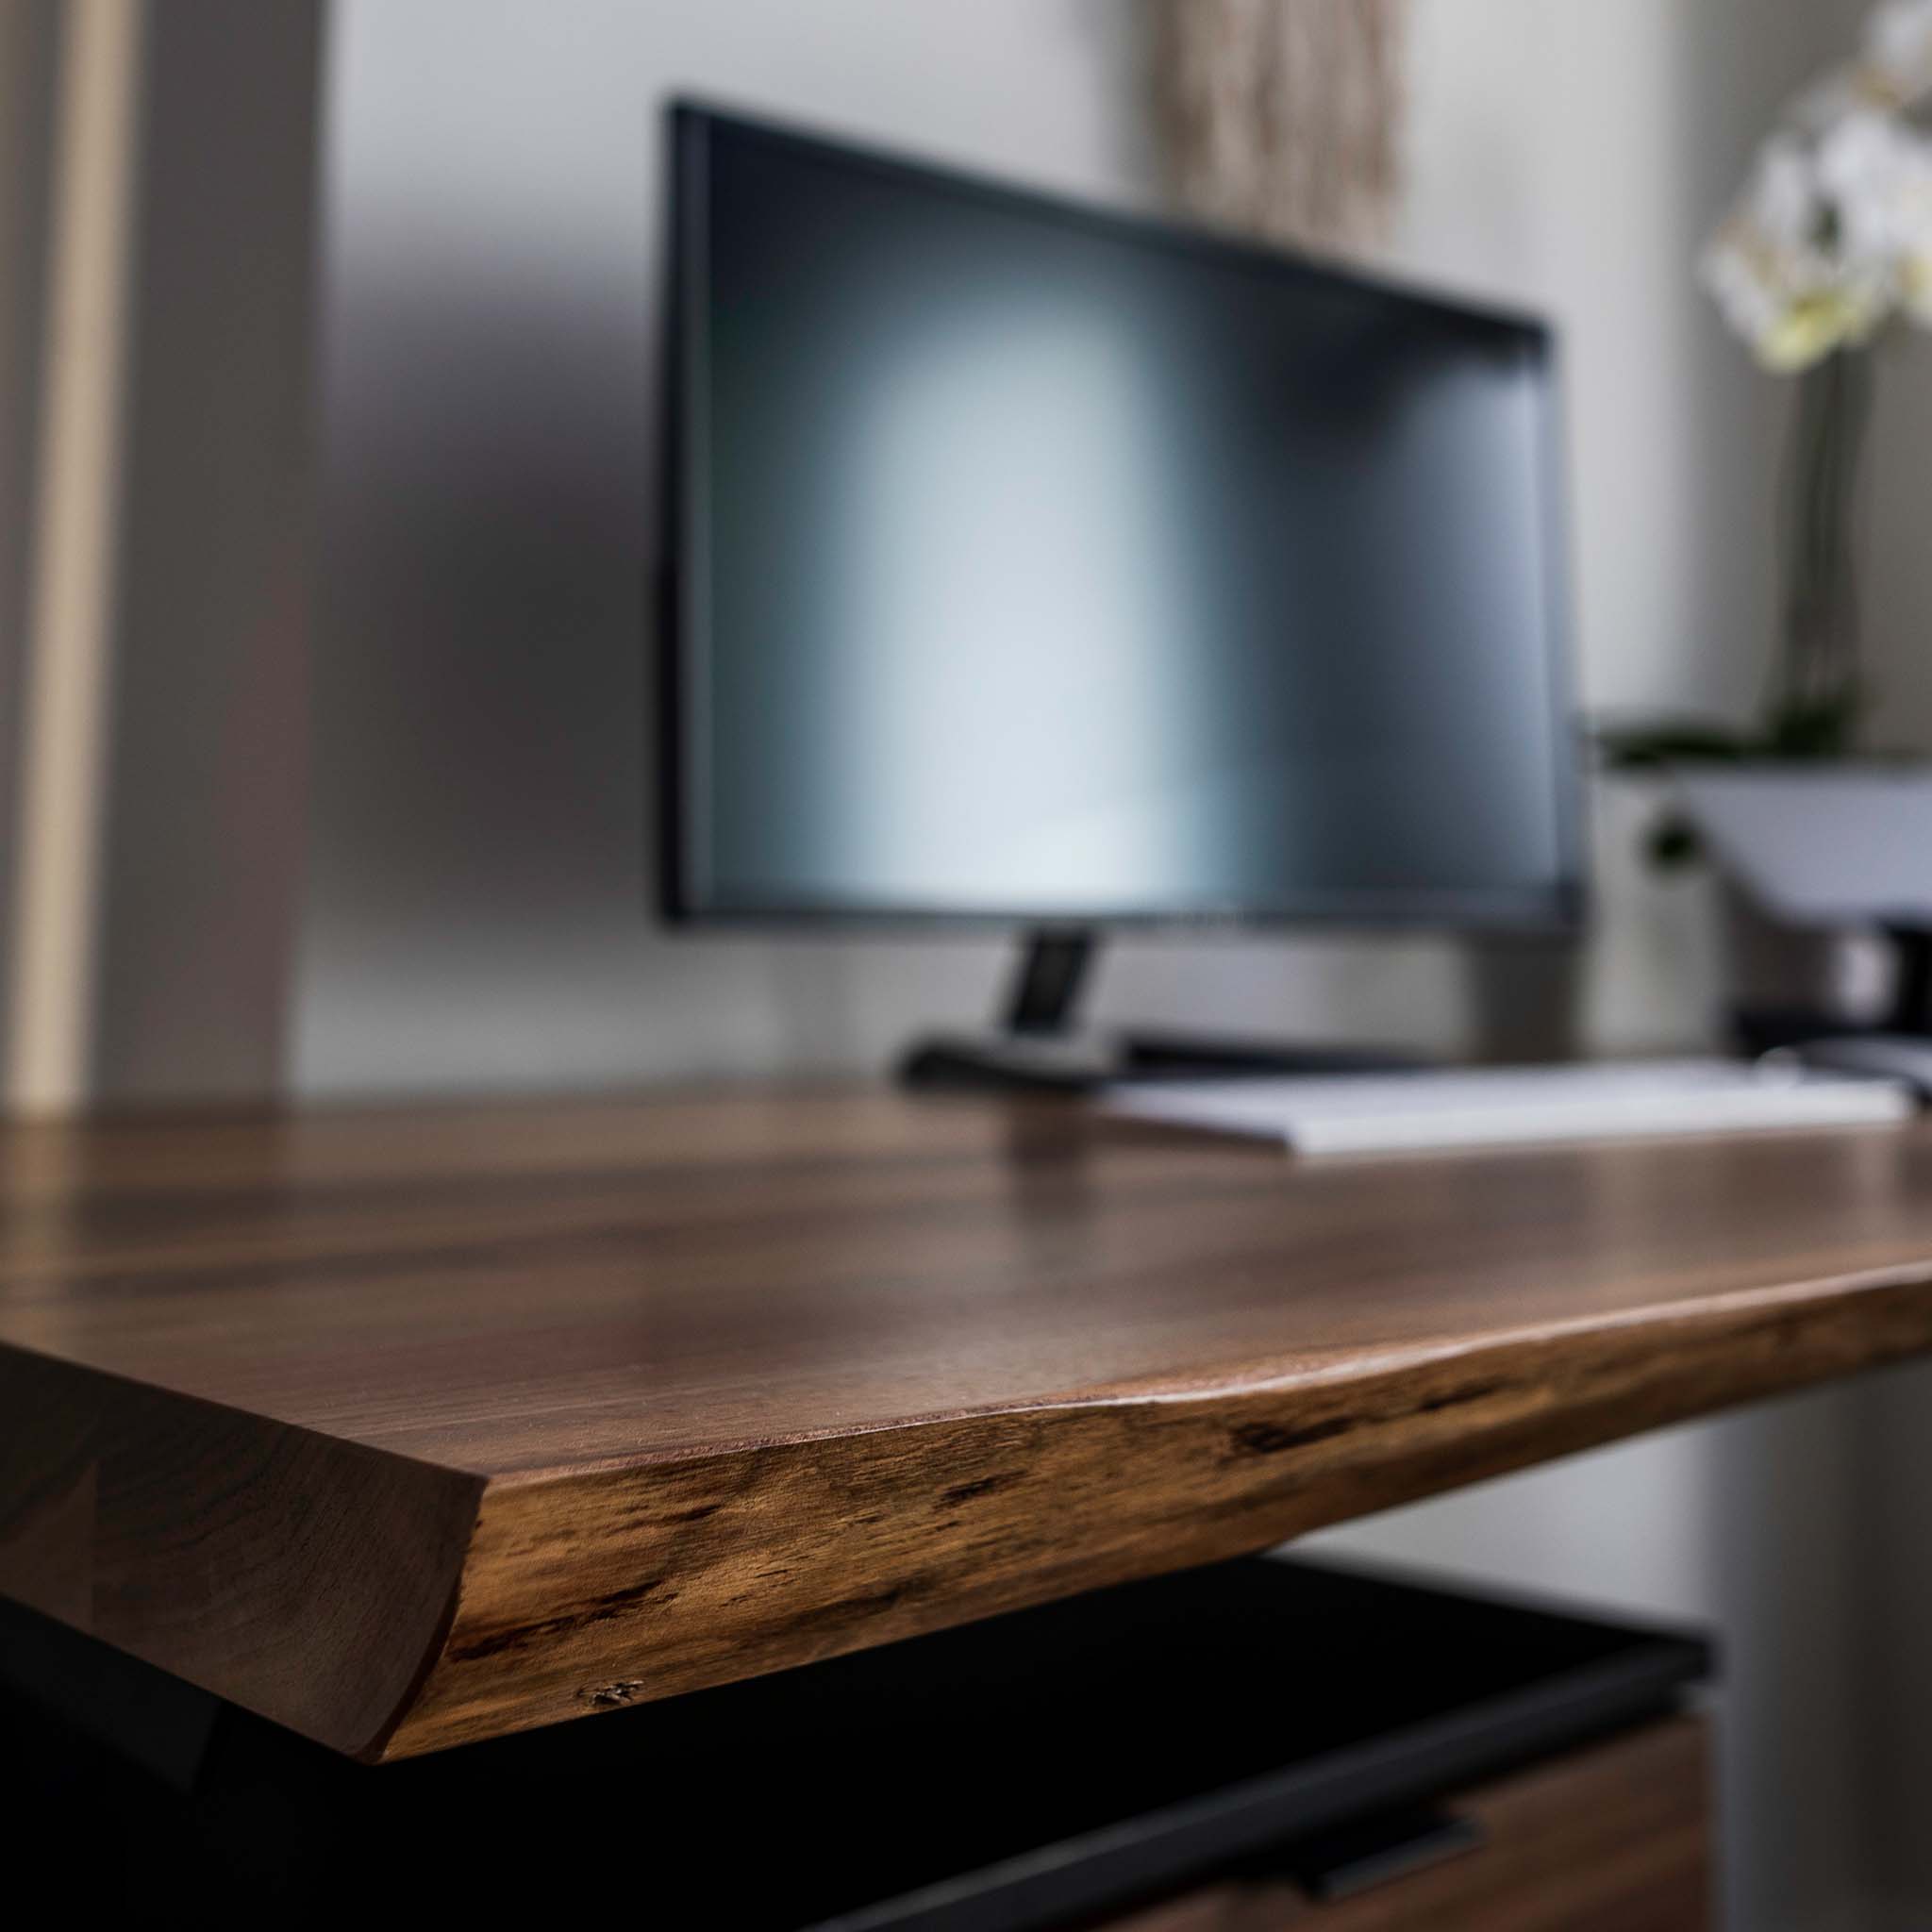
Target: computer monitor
[(1041, 566)]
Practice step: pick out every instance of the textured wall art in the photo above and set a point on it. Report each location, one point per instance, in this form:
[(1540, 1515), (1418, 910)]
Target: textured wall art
[(1284, 116)]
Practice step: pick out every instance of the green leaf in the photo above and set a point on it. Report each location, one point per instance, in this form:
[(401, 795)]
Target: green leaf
[(1668, 742)]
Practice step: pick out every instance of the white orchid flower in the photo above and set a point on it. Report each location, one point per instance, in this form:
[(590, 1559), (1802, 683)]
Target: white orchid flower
[(1833, 232), (1779, 272)]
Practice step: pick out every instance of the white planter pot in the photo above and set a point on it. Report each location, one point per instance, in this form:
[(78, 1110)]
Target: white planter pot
[(1811, 859), (1820, 846)]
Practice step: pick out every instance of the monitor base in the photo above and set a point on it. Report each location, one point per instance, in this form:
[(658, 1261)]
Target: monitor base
[(1083, 1063)]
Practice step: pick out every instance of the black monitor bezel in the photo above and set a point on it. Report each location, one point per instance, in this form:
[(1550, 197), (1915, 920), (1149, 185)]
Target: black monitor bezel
[(1555, 911)]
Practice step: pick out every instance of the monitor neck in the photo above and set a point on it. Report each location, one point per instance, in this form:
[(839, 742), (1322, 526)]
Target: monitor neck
[(1045, 986)]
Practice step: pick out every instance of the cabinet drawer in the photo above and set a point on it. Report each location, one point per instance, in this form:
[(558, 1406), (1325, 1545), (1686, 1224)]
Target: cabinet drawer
[(1614, 1838)]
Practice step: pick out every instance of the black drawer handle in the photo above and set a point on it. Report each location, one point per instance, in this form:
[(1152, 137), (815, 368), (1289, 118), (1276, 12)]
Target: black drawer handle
[(1375, 1851)]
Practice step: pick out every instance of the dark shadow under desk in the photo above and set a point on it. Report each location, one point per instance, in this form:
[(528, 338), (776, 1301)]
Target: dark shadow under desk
[(1281, 1738)]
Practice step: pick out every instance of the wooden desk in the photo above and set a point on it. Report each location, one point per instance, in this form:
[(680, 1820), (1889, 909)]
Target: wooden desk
[(408, 1428)]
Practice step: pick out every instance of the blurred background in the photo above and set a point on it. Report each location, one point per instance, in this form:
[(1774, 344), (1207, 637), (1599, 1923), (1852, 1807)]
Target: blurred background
[(329, 340)]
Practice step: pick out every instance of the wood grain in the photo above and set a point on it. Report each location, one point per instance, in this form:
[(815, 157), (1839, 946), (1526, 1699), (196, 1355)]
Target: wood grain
[(1616, 1838), (412, 1428)]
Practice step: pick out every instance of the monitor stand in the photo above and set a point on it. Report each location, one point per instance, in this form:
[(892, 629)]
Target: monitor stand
[(1040, 1047), (1907, 1016)]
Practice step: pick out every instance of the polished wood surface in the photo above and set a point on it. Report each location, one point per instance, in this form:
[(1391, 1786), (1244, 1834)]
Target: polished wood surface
[(412, 1428), (1616, 1838)]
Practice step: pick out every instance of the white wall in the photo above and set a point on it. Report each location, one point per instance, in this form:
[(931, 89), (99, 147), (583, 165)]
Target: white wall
[(475, 907)]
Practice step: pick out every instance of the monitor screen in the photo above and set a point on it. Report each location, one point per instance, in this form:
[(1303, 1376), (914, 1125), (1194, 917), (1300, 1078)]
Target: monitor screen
[(1036, 564)]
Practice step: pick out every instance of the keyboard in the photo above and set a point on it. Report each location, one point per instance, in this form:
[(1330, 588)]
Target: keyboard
[(1468, 1107)]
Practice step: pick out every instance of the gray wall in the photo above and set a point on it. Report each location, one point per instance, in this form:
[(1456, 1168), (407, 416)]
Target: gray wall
[(203, 828)]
